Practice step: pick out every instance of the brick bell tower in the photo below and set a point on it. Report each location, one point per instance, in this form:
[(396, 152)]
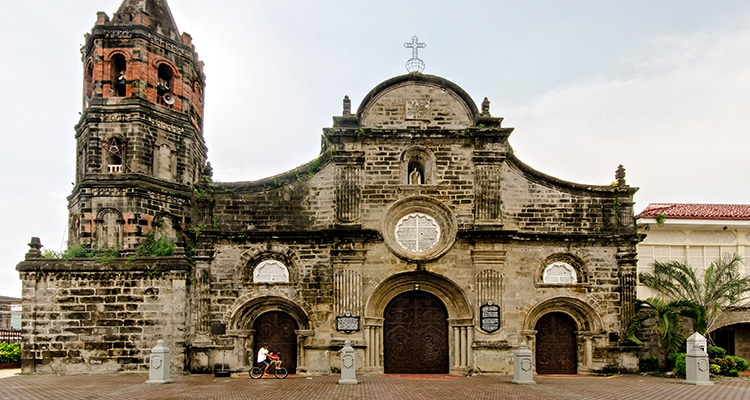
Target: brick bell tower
[(140, 145)]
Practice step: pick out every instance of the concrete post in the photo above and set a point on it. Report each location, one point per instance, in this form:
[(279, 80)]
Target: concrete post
[(348, 365), (523, 373), (158, 371), (696, 361)]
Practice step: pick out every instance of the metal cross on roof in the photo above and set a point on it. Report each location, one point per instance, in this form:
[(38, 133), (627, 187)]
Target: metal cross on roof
[(414, 64), (415, 46)]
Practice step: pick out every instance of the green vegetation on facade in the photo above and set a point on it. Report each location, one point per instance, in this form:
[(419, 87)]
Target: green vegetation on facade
[(149, 247)]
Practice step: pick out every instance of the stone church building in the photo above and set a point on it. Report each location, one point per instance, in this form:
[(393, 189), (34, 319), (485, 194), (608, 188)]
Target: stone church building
[(416, 234)]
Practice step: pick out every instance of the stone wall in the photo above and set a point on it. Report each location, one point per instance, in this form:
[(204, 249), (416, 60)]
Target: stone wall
[(97, 316)]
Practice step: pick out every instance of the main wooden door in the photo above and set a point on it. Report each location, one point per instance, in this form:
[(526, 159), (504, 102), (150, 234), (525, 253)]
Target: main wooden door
[(556, 348), (276, 329), (415, 335)]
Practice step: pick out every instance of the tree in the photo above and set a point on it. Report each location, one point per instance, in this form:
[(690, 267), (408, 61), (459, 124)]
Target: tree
[(721, 288), (668, 324)]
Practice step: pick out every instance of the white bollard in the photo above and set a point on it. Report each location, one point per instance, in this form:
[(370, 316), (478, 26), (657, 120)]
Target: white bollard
[(523, 372), (696, 361), (159, 365), (348, 365)]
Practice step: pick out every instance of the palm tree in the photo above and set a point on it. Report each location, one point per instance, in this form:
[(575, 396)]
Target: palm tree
[(721, 288), (668, 324)]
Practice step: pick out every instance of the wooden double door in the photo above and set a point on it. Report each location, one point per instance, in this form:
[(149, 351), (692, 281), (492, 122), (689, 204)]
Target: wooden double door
[(277, 329), (415, 335), (556, 348)]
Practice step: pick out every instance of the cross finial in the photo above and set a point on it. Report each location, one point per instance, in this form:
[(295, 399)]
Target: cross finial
[(415, 46), (415, 64)]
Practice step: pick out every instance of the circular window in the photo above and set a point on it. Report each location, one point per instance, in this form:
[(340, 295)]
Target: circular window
[(417, 232), (419, 228)]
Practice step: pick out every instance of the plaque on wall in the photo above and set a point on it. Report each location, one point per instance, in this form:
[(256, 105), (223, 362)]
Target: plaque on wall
[(489, 317), (347, 323)]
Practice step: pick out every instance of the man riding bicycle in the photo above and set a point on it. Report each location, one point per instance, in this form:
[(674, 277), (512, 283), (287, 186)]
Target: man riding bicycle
[(268, 362), (263, 358)]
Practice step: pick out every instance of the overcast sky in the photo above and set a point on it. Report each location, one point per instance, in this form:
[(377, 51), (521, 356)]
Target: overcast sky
[(662, 87)]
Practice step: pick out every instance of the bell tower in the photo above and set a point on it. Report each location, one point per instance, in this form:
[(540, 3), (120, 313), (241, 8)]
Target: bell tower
[(140, 145)]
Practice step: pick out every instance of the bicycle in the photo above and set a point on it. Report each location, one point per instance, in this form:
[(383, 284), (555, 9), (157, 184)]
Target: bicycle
[(258, 372)]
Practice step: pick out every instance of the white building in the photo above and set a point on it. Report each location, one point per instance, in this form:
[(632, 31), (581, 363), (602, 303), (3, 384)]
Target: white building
[(698, 234)]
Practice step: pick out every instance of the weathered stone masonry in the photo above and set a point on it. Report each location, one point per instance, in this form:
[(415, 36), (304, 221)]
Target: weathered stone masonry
[(416, 234), (82, 317)]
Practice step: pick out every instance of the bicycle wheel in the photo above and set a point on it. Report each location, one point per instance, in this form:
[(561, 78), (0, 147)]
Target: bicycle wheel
[(280, 373), (256, 372)]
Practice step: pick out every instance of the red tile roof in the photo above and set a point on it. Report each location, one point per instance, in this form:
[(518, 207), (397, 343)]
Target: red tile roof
[(697, 211)]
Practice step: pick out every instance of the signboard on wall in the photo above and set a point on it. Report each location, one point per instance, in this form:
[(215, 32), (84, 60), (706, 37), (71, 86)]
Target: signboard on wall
[(489, 317), (347, 323)]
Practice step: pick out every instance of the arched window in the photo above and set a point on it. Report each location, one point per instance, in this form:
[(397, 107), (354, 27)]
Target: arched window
[(81, 162), (109, 224), (115, 154), (560, 272), (119, 77), (74, 230), (270, 271), (164, 227), (164, 161), (164, 85), (88, 82), (197, 95)]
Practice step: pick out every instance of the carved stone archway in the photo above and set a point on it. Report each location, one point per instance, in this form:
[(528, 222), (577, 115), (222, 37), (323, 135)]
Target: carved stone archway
[(587, 321), (460, 317), (243, 318)]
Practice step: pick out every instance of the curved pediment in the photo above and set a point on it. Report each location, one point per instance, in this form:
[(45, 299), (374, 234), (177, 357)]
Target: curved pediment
[(417, 101)]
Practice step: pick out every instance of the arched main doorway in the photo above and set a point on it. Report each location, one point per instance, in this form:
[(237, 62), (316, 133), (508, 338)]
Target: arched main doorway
[(556, 349), (415, 334), (277, 329)]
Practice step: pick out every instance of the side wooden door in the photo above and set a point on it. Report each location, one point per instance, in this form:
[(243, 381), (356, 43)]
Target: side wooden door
[(556, 348), (276, 329)]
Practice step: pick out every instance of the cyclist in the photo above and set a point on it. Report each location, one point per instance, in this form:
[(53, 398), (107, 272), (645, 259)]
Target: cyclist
[(263, 359)]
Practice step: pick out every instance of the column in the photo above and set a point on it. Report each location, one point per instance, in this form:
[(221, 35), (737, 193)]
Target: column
[(589, 351)]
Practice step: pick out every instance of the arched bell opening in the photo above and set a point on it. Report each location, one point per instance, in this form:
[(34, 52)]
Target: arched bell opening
[(164, 85), (119, 75)]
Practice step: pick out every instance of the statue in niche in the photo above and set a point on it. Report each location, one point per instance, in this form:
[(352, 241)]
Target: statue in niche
[(415, 178)]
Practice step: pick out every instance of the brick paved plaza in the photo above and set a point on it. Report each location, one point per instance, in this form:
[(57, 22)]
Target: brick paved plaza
[(380, 387)]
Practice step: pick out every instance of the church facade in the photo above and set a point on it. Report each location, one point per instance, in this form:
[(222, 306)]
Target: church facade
[(416, 234)]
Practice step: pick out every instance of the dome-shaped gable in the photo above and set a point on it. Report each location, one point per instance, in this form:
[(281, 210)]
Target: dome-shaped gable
[(417, 101)]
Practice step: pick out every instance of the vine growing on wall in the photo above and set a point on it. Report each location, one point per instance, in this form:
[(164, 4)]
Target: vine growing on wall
[(660, 219), (616, 203)]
